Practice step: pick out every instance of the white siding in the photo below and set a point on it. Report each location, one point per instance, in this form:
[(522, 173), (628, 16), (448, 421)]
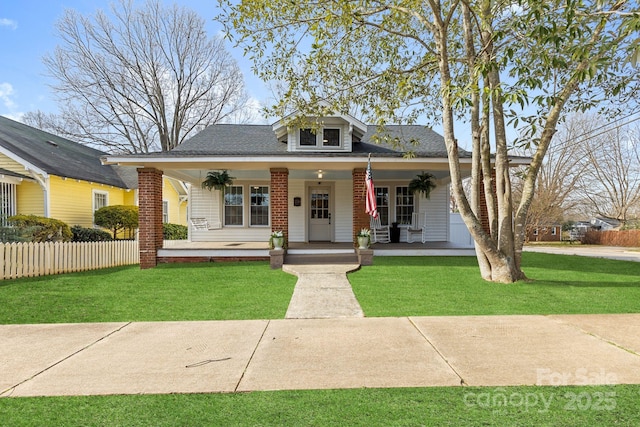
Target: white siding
[(437, 209), (459, 232), (297, 214), (343, 218), (207, 204)]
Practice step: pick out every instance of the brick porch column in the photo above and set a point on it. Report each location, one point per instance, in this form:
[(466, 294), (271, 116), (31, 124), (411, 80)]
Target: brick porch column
[(360, 217), (150, 215), (279, 192)]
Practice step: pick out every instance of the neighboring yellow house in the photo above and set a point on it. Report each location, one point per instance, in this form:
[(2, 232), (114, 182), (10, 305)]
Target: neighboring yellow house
[(46, 175)]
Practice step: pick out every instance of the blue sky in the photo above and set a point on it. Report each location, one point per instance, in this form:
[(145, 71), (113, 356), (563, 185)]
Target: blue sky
[(27, 33)]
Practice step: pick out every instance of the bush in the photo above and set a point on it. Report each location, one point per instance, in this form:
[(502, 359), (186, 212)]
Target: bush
[(117, 217), (175, 232), (15, 234), (82, 234), (40, 229)]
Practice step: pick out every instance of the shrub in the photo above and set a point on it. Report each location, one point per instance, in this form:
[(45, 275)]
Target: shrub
[(174, 231), (15, 234), (117, 218), (82, 234), (40, 229)]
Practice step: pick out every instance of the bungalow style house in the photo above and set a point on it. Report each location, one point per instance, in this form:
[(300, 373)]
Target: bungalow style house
[(309, 184), (46, 175)]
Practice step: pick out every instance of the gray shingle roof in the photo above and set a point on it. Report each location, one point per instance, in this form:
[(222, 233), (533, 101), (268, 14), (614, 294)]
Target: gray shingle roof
[(260, 140), (62, 157)]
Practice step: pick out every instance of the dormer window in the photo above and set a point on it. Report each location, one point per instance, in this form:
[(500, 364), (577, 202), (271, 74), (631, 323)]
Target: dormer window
[(327, 137), (331, 134), (331, 137), (307, 138)]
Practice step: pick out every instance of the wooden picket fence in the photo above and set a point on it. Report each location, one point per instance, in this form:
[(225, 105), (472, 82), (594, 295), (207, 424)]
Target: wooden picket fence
[(40, 259)]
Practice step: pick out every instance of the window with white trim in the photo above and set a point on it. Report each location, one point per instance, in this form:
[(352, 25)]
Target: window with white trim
[(259, 205), (233, 205), (307, 138), (165, 211), (326, 137), (100, 200), (404, 205), (331, 137), (382, 204)]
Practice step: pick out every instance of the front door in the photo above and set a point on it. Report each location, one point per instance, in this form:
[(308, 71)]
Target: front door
[(320, 214)]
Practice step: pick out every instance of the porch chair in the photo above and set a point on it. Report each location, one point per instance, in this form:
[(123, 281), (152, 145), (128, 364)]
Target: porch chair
[(379, 232), (203, 224), (416, 228)]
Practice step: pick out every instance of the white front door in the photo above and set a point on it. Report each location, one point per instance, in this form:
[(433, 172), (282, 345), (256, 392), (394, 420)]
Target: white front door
[(320, 214)]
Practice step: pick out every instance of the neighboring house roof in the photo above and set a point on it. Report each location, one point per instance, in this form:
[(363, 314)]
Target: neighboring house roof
[(61, 157), (604, 222), (260, 140)]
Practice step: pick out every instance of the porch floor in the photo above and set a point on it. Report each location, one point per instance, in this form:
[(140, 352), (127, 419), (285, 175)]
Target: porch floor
[(185, 249)]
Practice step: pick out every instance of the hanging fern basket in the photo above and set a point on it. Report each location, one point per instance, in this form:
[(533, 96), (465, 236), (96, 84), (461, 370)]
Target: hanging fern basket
[(217, 180), (423, 183)]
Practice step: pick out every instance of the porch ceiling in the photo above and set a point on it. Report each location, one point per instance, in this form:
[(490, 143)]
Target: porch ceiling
[(191, 169)]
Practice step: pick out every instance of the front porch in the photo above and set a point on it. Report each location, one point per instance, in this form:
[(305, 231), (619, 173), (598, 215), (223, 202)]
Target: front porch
[(176, 251)]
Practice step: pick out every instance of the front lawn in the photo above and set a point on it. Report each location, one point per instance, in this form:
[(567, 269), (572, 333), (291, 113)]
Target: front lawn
[(451, 286), (433, 406), (206, 291), (393, 286)]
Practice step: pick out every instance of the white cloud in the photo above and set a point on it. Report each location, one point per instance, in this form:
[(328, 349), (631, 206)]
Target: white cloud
[(4, 22), (6, 91)]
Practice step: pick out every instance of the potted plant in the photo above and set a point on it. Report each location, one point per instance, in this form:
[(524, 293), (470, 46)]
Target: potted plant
[(364, 238), (276, 241), (423, 183), (217, 180)]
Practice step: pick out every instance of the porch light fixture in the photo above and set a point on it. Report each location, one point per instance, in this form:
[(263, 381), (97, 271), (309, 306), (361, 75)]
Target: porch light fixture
[(320, 174)]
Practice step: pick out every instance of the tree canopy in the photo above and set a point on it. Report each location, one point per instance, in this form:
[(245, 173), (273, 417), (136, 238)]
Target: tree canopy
[(491, 64), (139, 79)]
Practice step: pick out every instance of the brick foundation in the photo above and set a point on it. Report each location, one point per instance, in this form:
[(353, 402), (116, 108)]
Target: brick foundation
[(170, 260), (150, 215)]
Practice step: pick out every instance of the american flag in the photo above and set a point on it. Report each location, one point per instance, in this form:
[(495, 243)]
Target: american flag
[(370, 207)]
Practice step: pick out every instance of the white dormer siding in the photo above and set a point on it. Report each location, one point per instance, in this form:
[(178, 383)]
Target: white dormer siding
[(333, 134)]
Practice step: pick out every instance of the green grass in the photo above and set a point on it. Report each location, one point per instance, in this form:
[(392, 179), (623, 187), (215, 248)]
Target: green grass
[(437, 406), (207, 291), (451, 286)]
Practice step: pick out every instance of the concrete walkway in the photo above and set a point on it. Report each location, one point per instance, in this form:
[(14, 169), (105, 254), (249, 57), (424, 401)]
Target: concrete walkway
[(322, 292), (229, 356)]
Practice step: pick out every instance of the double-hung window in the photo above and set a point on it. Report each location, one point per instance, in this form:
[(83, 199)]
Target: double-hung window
[(404, 205), (382, 203), (259, 205), (233, 205), (165, 211)]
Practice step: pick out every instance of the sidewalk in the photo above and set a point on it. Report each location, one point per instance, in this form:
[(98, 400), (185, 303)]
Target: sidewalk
[(228, 356), (611, 252), (310, 351)]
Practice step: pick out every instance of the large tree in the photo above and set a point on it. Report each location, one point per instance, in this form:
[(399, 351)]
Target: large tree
[(139, 79), (559, 187), (610, 178), (487, 62)]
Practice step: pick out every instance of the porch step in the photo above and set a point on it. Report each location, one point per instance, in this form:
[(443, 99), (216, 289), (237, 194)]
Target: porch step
[(321, 258)]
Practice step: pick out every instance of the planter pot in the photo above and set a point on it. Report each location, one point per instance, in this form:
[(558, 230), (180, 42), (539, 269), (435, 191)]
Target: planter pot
[(363, 242), (278, 242)]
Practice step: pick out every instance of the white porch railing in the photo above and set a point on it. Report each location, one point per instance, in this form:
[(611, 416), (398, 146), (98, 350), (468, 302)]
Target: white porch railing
[(40, 259)]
